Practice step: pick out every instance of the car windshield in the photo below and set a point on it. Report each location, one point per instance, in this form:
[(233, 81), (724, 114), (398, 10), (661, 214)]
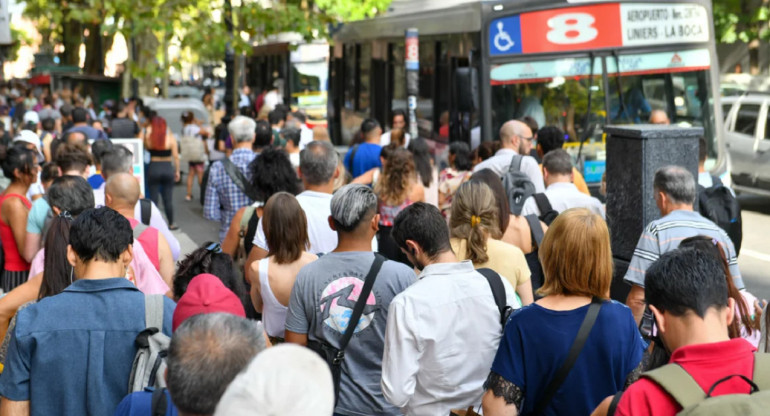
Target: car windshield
[(553, 92)]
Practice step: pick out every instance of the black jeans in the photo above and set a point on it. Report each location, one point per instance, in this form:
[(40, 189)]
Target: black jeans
[(160, 177)]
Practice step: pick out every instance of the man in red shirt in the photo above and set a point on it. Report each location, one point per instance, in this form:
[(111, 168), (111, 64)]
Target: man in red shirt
[(121, 193), (687, 293)]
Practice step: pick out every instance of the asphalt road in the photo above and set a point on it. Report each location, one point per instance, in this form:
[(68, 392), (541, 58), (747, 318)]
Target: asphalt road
[(754, 260)]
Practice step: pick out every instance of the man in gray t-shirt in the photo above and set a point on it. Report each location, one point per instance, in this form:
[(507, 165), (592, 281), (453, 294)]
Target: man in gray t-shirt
[(326, 291)]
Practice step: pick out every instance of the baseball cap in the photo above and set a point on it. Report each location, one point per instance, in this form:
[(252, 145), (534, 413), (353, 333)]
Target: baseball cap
[(31, 117), (262, 385), (28, 136), (206, 294)]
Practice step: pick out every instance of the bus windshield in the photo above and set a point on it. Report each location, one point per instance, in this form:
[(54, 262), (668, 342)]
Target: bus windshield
[(553, 92), (308, 89)]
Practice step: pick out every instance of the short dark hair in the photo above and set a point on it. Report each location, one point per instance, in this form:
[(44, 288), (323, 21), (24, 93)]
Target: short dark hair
[(299, 115), (49, 172), (686, 280), (292, 134), (550, 138), (79, 115), (424, 224), (703, 150), (272, 172), (72, 157), (71, 193), (117, 160), (368, 125), (532, 124), (99, 148), (48, 124), (66, 110), (276, 116), (558, 162), (100, 234), (263, 135), (462, 154), (206, 352), (203, 260)]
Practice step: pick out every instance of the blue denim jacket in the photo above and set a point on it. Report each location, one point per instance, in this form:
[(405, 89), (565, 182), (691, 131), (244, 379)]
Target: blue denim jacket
[(71, 354)]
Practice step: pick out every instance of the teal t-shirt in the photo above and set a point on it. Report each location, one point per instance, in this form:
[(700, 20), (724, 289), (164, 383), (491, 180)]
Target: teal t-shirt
[(36, 217)]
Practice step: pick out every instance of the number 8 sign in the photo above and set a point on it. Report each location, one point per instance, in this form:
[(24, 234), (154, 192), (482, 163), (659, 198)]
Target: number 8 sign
[(588, 27)]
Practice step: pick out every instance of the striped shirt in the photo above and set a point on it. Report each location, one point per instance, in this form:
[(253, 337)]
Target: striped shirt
[(665, 234)]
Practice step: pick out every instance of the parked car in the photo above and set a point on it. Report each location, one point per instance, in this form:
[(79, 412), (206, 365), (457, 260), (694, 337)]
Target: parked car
[(748, 141)]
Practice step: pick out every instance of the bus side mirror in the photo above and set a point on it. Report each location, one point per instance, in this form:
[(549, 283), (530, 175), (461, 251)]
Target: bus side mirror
[(467, 89)]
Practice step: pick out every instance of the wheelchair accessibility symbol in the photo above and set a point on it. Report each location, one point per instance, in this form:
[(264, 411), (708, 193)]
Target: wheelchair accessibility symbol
[(503, 41)]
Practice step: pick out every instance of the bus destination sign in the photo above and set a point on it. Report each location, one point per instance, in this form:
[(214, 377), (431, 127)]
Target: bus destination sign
[(598, 26)]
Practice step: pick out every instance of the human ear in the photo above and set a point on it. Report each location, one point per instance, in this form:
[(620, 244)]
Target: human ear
[(71, 256), (730, 311), (660, 320), (331, 224)]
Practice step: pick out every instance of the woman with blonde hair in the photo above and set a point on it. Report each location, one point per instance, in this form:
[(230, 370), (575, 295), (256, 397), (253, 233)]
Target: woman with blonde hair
[(573, 317), (475, 233), (396, 188), (273, 277)]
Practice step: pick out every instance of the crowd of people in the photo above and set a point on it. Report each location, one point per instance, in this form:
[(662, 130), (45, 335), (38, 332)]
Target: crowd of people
[(378, 282)]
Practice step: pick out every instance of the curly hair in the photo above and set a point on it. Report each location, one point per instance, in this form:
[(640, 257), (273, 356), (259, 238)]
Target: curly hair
[(202, 261), (397, 176), (271, 172), (474, 218)]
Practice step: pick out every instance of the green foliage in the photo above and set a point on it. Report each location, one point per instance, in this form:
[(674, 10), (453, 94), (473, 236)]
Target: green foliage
[(20, 38), (741, 20)]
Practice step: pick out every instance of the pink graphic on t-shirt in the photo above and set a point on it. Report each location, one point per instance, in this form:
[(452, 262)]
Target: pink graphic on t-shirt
[(338, 300)]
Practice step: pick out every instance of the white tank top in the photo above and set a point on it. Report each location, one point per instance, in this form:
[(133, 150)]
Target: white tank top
[(273, 313)]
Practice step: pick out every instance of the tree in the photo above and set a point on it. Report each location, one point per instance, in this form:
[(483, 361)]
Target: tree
[(743, 20)]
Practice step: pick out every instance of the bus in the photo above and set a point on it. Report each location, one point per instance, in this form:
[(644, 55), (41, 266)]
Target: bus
[(297, 68), (578, 65)]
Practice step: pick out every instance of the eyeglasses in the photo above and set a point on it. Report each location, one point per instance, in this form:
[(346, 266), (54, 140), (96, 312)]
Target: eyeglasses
[(529, 139)]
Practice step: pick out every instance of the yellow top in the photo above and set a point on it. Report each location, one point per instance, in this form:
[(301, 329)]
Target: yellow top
[(505, 259)]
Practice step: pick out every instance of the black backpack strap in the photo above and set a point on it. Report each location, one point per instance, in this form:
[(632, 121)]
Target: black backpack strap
[(350, 159), (498, 291), (238, 178), (716, 181), (614, 403), (146, 207), (572, 356), (515, 165), (358, 310), (159, 402), (535, 229), (543, 204)]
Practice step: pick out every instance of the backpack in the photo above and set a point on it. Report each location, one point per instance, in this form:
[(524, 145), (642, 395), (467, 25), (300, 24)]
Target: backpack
[(518, 187), (193, 149), (719, 205), (547, 213), (145, 210), (151, 349), (695, 402)]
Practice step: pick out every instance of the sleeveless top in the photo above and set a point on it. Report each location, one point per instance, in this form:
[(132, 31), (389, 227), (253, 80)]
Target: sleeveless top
[(149, 240), (14, 262), (388, 213), (273, 313)]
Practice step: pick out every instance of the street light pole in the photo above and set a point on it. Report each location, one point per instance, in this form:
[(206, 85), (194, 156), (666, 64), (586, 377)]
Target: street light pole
[(229, 62)]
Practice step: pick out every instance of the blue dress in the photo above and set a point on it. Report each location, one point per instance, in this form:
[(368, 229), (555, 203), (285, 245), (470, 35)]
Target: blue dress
[(536, 342)]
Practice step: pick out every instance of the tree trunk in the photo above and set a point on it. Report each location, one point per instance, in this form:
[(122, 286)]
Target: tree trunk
[(94, 62), (72, 34), (166, 64), (125, 80), (754, 57), (146, 62)]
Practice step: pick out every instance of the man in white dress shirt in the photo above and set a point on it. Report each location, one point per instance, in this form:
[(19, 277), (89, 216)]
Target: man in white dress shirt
[(443, 331), (562, 194), (397, 121), (513, 134)]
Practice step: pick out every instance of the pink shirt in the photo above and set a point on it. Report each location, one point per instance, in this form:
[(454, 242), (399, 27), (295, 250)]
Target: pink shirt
[(148, 279)]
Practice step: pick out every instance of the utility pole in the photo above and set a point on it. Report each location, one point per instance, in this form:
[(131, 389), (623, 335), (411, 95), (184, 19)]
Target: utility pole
[(229, 62)]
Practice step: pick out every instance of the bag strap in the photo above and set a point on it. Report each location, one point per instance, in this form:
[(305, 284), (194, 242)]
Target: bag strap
[(238, 178), (139, 229), (350, 159), (247, 217), (498, 290), (572, 356), (159, 403), (543, 204), (678, 383), (358, 310), (153, 311), (146, 207), (535, 229), (614, 403), (515, 165)]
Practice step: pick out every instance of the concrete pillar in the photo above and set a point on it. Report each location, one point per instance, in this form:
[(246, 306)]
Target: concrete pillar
[(634, 153)]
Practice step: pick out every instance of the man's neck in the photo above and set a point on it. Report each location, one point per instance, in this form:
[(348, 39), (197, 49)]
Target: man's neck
[(693, 330), (327, 188), (125, 211), (701, 167), (351, 242), (445, 257), (678, 207), (83, 124), (245, 145), (554, 181), (509, 146), (372, 140)]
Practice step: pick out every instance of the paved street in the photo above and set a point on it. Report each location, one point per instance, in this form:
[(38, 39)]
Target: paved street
[(194, 230)]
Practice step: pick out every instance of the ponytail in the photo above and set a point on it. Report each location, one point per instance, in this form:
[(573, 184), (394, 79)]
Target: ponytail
[(57, 271), (473, 218)]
